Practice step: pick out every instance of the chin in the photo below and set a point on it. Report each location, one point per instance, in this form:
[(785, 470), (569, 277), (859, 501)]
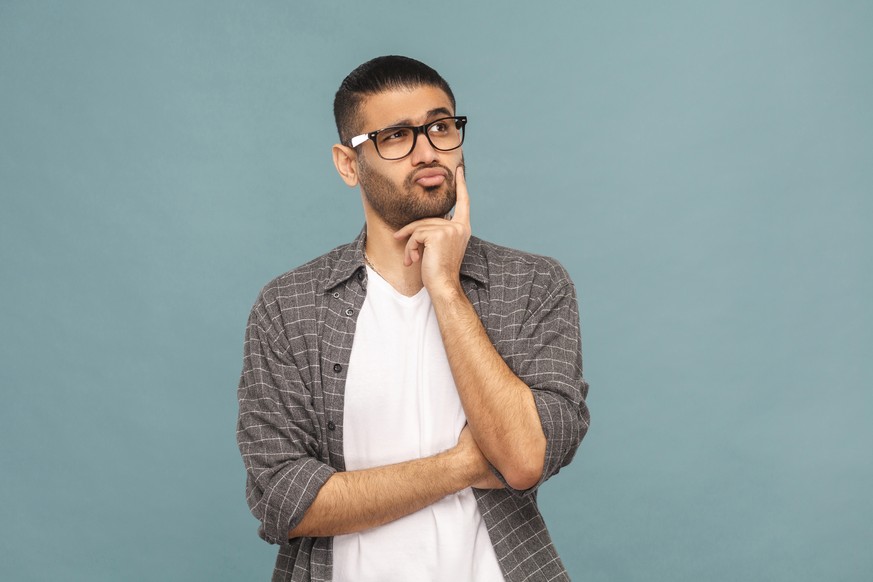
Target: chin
[(448, 198)]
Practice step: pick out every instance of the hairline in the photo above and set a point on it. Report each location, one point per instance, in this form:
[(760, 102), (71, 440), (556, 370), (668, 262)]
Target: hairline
[(361, 98)]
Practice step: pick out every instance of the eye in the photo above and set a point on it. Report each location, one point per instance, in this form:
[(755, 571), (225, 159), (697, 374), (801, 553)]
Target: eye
[(440, 126), (393, 134)]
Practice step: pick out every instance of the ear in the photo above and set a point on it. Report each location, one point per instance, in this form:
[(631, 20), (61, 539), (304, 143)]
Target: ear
[(346, 161)]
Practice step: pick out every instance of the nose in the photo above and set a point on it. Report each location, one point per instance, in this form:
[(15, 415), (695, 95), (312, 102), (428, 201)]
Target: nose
[(422, 151)]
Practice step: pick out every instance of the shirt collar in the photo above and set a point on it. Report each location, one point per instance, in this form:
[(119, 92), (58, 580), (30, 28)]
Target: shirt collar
[(350, 259)]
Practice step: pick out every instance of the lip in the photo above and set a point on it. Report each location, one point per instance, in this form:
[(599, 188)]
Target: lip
[(430, 177)]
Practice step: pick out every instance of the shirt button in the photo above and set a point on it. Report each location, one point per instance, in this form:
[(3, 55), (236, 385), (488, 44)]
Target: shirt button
[(331, 425), (336, 294), (337, 368), (350, 311)]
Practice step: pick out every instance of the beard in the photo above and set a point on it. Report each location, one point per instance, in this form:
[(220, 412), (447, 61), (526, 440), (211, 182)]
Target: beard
[(398, 206)]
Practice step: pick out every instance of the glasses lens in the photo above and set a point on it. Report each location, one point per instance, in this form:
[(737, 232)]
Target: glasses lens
[(445, 134), (394, 142)]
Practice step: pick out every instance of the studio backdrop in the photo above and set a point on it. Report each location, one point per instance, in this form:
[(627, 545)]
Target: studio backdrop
[(702, 170)]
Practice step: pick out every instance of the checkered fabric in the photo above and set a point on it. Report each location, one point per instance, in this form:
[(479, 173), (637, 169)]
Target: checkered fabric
[(297, 348)]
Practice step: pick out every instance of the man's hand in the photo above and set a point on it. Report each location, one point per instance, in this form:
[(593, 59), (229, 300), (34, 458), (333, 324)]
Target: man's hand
[(439, 243), (467, 446)]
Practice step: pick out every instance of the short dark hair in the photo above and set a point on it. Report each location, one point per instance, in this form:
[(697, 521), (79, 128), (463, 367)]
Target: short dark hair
[(375, 76)]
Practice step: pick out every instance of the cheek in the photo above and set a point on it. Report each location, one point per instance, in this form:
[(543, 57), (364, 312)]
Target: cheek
[(456, 160)]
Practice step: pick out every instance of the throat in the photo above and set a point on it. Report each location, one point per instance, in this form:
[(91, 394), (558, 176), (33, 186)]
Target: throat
[(407, 286), (406, 280), (384, 255)]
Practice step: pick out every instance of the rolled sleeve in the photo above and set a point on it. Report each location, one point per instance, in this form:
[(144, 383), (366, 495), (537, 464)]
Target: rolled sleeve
[(548, 358), (278, 432)]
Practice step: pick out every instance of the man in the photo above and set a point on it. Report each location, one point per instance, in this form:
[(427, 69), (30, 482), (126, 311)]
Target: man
[(403, 396)]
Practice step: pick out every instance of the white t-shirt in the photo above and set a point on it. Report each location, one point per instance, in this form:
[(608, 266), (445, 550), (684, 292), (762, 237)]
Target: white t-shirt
[(401, 403)]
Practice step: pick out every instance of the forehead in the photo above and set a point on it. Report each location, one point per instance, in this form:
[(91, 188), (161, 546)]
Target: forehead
[(404, 106)]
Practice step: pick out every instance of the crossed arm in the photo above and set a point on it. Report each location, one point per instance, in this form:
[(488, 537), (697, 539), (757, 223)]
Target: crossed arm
[(500, 413), (497, 404)]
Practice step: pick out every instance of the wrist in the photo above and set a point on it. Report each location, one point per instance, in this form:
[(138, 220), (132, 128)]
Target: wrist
[(468, 464), (446, 292)]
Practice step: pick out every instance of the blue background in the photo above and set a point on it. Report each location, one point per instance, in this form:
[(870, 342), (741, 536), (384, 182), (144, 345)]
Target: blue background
[(702, 169)]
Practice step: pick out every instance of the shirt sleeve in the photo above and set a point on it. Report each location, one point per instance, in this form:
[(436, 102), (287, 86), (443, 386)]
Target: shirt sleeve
[(547, 356), (278, 432)]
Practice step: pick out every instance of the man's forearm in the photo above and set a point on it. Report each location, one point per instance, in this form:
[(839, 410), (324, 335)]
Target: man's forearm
[(351, 501), (500, 408)]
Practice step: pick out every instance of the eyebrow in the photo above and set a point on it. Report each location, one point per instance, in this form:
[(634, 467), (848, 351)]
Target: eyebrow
[(432, 113)]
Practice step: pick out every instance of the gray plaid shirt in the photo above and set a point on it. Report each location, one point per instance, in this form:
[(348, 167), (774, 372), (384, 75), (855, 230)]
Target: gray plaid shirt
[(297, 348)]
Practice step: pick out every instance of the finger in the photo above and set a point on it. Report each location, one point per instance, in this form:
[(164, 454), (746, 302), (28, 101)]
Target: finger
[(462, 204), (413, 226), (413, 248), (419, 239)]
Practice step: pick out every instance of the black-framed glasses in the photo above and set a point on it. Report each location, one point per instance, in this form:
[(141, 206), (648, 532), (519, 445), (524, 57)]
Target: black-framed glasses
[(393, 143)]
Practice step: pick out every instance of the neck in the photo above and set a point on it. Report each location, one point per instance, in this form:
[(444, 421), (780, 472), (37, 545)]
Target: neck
[(385, 254)]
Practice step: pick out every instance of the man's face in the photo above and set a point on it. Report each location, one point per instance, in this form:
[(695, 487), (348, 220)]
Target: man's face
[(421, 185)]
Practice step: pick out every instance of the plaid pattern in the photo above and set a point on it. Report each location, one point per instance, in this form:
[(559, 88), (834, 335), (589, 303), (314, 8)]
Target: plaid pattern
[(297, 348)]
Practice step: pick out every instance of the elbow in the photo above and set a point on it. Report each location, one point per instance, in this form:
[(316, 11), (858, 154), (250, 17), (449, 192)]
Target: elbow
[(527, 470), (299, 531), (524, 475)]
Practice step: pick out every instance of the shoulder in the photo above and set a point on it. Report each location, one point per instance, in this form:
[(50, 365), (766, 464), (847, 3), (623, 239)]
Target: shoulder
[(301, 287), (504, 264), (521, 288)]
